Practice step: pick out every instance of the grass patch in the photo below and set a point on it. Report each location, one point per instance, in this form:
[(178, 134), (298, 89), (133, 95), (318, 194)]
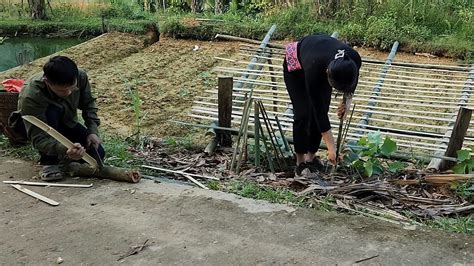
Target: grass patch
[(81, 26), (249, 189), (455, 225), (24, 152)]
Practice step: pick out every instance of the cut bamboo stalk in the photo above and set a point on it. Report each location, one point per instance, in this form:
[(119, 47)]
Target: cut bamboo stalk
[(267, 150), (59, 137), (28, 183), (36, 195), (106, 172), (417, 134), (414, 80), (243, 62), (240, 39), (272, 136), (386, 130), (199, 184), (398, 111), (427, 66), (245, 121), (363, 70), (282, 133), (179, 172), (289, 121)]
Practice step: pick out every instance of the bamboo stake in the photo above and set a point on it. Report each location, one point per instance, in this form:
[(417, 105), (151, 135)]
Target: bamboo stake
[(267, 152), (285, 141), (239, 136), (190, 178), (179, 172), (245, 123), (28, 183), (36, 195), (257, 134), (272, 136)]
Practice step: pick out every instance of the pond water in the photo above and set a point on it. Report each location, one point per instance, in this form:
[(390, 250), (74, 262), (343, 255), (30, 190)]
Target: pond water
[(18, 50)]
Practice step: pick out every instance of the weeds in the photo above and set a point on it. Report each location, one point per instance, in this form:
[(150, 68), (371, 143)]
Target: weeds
[(455, 225), (249, 189), (26, 152)]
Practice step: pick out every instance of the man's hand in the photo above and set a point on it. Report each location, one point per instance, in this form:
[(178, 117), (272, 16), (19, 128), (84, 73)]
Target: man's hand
[(76, 152), (93, 140)]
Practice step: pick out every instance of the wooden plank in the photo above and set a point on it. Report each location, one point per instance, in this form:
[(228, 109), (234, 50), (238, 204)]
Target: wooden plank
[(36, 195), (28, 183), (457, 137), (224, 99)]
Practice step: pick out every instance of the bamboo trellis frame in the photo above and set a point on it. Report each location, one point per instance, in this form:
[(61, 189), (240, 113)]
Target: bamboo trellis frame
[(415, 105)]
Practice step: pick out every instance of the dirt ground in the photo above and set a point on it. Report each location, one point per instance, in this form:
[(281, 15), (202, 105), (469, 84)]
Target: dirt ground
[(189, 226)]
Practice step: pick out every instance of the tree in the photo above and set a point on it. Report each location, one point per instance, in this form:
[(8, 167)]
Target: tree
[(196, 6), (37, 9), (219, 6)]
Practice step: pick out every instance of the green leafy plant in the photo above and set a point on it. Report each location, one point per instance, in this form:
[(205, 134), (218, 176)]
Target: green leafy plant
[(365, 157), (465, 163)]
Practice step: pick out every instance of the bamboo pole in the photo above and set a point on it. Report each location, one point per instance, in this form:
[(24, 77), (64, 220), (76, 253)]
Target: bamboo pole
[(182, 172), (393, 101), (257, 134), (385, 130), (427, 66), (440, 119), (272, 136), (244, 118), (422, 89), (240, 39)]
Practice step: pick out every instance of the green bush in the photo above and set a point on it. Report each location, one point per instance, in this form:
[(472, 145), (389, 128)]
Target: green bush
[(381, 32), (415, 33), (353, 33)]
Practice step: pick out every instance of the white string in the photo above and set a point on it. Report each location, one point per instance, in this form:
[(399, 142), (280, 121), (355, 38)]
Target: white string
[(340, 54)]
